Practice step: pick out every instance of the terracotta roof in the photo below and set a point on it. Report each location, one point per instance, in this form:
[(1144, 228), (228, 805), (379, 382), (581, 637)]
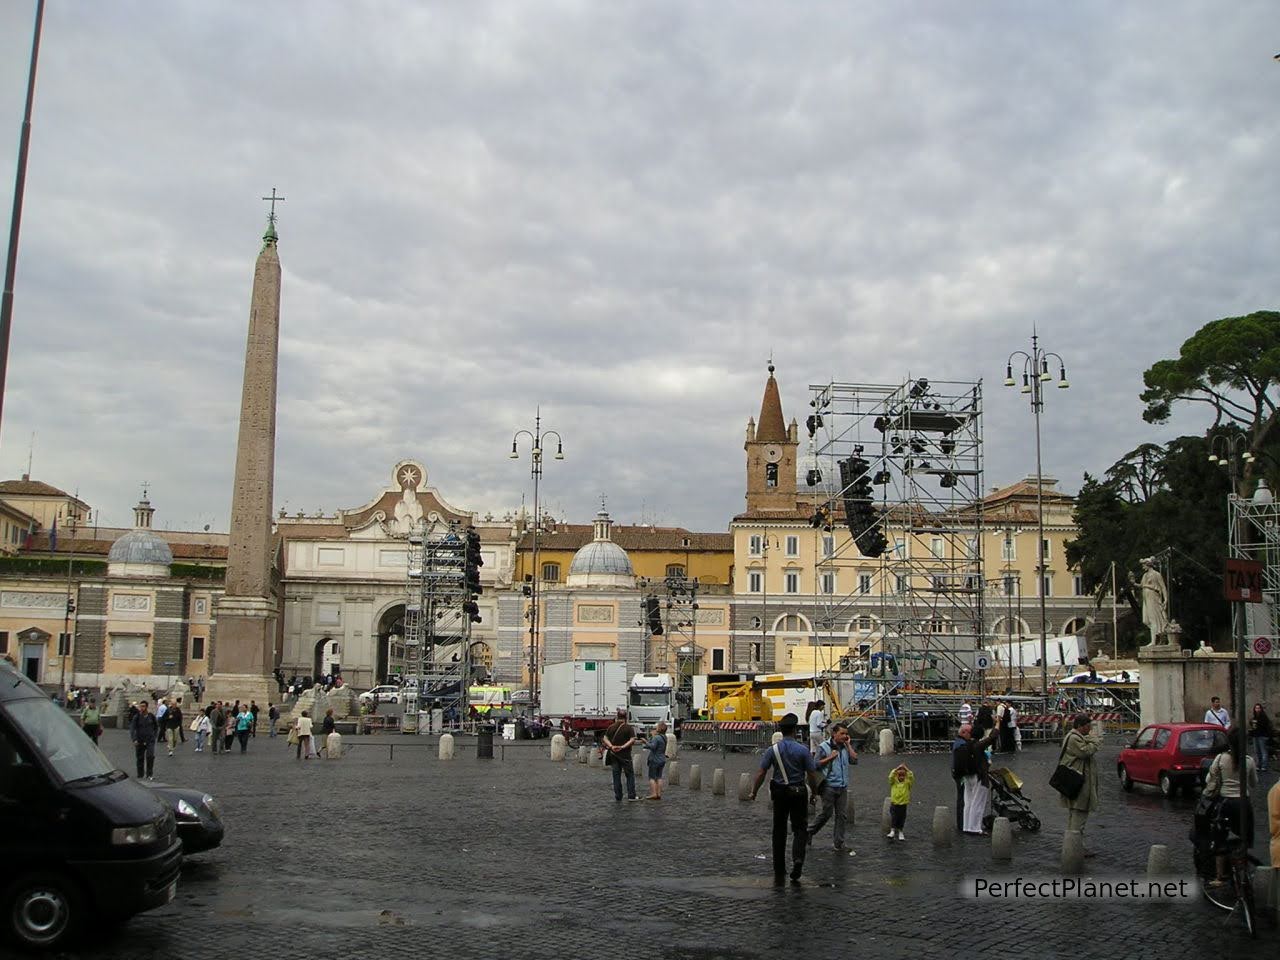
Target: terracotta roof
[(1027, 489), (30, 488), (771, 427), (88, 548), (572, 536)]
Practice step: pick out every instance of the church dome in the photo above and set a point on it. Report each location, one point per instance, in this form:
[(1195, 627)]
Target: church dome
[(601, 563), (601, 556), (141, 546)]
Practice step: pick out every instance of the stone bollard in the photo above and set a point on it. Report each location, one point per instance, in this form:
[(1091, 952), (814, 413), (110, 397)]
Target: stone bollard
[(673, 748), (559, 746), (886, 743), (885, 819), (943, 827), (1002, 839), (594, 757), (446, 746), (744, 786), (673, 773), (583, 754), (1073, 852), (717, 782), (695, 777), (333, 746), (1158, 861)]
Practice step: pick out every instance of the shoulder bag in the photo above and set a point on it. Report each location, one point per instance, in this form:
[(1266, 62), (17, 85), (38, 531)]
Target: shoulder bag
[(1066, 781)]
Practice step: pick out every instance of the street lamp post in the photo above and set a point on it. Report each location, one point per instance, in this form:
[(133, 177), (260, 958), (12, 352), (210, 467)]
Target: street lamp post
[(536, 438), (1035, 373), (1235, 453), (64, 642)]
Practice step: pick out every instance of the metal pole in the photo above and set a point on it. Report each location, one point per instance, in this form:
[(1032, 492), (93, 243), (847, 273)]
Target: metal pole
[(1115, 637), (66, 620), (15, 219), (534, 611), (1044, 632)]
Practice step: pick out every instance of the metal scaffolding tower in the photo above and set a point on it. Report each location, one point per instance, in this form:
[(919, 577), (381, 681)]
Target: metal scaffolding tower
[(437, 629), (900, 468), (675, 650)]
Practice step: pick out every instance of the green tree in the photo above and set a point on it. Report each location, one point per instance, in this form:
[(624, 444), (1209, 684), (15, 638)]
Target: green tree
[(1233, 366), (1158, 499)]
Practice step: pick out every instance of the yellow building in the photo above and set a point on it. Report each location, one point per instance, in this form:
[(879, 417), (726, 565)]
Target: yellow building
[(655, 552)]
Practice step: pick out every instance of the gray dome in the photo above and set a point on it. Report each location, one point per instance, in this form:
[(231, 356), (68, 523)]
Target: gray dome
[(141, 546), (601, 556)]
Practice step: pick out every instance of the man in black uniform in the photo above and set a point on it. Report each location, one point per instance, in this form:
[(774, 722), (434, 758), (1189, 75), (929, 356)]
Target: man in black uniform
[(792, 764)]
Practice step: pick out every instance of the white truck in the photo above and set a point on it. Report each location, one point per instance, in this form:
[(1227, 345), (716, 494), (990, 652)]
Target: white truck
[(652, 699), (587, 689)]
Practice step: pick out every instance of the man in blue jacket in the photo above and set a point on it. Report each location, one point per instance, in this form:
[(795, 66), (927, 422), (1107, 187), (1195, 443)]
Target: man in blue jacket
[(792, 765), (144, 731)]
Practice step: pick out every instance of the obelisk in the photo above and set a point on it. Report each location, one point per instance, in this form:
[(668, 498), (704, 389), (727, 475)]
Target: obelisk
[(243, 648)]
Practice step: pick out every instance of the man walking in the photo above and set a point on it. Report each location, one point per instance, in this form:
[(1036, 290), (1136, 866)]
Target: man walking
[(91, 720), (618, 741), (218, 720), (143, 732), (817, 723), (1217, 714), (172, 726), (272, 716), (834, 756), (791, 765)]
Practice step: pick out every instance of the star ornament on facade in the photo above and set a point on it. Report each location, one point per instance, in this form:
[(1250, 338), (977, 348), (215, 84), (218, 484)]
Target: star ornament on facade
[(409, 477)]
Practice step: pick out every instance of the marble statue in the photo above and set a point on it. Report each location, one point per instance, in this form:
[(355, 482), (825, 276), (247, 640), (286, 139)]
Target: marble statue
[(1155, 600)]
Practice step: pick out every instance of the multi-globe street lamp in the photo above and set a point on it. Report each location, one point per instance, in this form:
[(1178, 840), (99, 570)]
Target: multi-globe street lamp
[(1035, 373), (537, 438)]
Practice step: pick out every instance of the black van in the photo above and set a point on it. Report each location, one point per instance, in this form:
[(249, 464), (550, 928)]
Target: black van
[(79, 840)]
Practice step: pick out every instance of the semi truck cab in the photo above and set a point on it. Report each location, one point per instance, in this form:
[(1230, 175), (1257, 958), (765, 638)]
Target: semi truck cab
[(651, 699)]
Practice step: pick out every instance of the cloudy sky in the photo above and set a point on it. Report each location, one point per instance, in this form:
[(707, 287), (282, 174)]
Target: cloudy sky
[(617, 211)]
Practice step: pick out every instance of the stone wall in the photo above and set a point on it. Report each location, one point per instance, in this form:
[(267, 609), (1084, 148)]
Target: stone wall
[(1176, 687), (90, 627), (169, 641)]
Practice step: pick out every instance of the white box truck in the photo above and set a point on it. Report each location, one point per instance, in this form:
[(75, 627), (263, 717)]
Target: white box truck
[(652, 700), (584, 688)]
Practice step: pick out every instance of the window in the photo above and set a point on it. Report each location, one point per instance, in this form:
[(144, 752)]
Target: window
[(1162, 738), (939, 583), (4, 641), (1046, 586), (828, 582), (770, 474), (675, 570), (717, 659), (866, 624), (1010, 586), (756, 623), (757, 649), (550, 572), (828, 545), (972, 547), (1145, 738), (937, 626), (900, 548), (791, 623), (1008, 550), (1077, 585), (64, 644), (197, 648), (1044, 551), (755, 581), (935, 547), (900, 583), (793, 581), (793, 546), (755, 542), (864, 583)]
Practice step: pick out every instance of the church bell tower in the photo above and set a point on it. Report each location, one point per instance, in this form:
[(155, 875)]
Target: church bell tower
[(771, 456)]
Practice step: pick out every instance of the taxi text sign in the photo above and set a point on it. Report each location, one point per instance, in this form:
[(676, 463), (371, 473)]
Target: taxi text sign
[(1243, 581)]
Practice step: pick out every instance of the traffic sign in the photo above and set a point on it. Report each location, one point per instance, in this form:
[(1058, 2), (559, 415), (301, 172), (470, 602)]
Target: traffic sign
[(982, 661), (1261, 646)]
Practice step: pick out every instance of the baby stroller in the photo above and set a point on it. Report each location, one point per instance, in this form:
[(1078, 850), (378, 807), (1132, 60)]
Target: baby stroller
[(1007, 800)]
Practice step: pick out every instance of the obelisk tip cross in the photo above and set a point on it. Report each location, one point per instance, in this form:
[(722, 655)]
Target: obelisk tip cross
[(271, 217)]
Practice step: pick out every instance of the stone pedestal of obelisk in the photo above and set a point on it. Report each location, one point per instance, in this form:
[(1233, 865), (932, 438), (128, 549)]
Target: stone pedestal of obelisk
[(244, 641)]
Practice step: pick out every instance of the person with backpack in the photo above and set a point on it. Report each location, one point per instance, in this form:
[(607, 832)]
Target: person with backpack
[(657, 747), (791, 765), (835, 754)]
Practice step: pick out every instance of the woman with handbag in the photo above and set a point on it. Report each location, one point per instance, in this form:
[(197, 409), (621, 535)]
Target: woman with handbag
[(1079, 749), (201, 727)]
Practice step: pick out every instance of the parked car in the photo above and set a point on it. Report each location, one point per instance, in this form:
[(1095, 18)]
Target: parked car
[(384, 694), (1170, 755), (80, 841), (198, 816)]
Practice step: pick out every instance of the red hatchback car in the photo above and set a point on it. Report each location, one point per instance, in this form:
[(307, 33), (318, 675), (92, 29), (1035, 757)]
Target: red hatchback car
[(1169, 755)]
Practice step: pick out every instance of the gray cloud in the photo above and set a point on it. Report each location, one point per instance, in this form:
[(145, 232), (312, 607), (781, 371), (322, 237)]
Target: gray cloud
[(616, 211)]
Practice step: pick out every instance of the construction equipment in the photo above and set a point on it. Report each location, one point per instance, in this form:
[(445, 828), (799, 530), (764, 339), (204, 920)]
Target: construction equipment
[(766, 698)]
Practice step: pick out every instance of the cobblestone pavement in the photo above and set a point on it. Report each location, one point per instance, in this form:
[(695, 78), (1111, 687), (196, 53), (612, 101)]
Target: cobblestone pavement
[(520, 857)]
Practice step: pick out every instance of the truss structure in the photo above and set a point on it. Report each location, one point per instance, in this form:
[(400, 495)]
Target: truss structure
[(913, 449), (1255, 535), (437, 630), (675, 650)]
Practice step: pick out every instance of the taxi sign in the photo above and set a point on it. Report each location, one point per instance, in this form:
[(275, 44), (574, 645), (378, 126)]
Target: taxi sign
[(1242, 580)]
